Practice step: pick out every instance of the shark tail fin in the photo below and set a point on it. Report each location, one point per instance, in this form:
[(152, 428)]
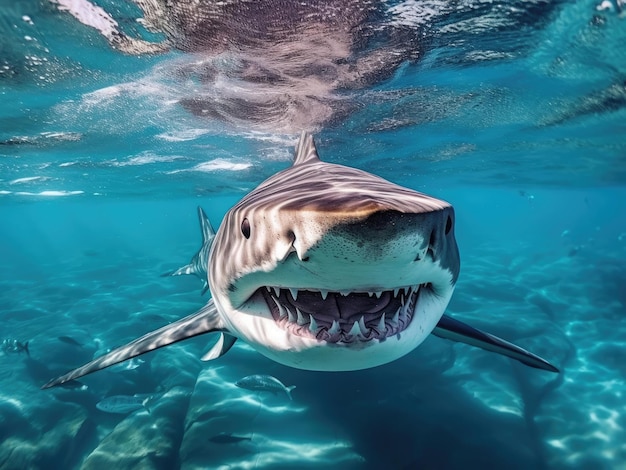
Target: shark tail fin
[(456, 330), (205, 320), (305, 150), (288, 391), (187, 269)]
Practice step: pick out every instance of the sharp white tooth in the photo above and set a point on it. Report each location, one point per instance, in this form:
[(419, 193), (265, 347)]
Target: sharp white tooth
[(281, 309), (370, 294), (364, 330), (355, 330), (345, 293), (269, 289), (334, 328), (294, 293), (395, 291), (292, 317), (378, 294), (276, 291), (406, 290), (381, 324), (301, 320), (312, 324), (324, 294), (396, 317), (402, 300)]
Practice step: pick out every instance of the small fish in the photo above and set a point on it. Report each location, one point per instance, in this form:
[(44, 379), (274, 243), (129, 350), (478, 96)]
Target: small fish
[(574, 250), (228, 439), (264, 383), (124, 404), (14, 346), (70, 340)]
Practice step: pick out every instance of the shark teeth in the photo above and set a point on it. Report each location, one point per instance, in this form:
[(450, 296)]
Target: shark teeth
[(381, 324), (301, 320), (395, 312), (282, 312), (364, 330), (356, 330), (396, 318), (291, 316)]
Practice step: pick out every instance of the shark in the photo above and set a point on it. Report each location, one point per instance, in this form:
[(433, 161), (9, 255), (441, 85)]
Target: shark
[(330, 268)]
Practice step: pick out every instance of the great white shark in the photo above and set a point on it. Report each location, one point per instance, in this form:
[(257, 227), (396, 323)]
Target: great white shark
[(330, 268)]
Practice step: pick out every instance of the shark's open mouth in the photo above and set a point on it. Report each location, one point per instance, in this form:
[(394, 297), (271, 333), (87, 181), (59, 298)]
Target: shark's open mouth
[(343, 317)]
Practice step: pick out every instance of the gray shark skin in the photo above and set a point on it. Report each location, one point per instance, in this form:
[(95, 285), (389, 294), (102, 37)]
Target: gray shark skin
[(198, 264), (455, 330), (326, 267)]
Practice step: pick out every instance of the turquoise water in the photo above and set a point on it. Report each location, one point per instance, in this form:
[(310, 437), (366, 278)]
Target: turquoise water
[(512, 112)]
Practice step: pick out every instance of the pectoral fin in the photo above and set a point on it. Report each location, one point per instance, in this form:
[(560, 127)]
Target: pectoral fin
[(205, 320), (456, 330), (223, 345)]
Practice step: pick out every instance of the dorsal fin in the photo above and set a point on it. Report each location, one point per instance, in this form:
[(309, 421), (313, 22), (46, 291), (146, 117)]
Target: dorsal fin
[(305, 150), (208, 233)]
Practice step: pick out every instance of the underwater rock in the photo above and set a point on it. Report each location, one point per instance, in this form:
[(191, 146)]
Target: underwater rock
[(28, 441), (144, 440), (277, 433)]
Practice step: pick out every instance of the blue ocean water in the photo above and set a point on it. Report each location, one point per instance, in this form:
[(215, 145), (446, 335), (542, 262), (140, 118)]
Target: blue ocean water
[(113, 131)]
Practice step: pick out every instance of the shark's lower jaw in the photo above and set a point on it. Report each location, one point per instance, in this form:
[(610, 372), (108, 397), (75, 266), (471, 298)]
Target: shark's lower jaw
[(343, 317)]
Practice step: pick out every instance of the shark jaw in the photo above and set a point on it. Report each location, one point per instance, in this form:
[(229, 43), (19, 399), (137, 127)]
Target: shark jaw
[(342, 317), (339, 331)]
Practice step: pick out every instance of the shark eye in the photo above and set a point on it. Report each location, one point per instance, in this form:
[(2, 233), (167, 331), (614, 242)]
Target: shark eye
[(245, 228)]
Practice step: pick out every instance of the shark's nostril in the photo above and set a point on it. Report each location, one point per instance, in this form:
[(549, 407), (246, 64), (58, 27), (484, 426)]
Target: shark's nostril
[(432, 243)]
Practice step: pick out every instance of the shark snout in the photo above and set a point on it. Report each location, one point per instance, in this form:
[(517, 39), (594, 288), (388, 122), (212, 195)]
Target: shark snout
[(429, 233), (441, 246), (386, 244)]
